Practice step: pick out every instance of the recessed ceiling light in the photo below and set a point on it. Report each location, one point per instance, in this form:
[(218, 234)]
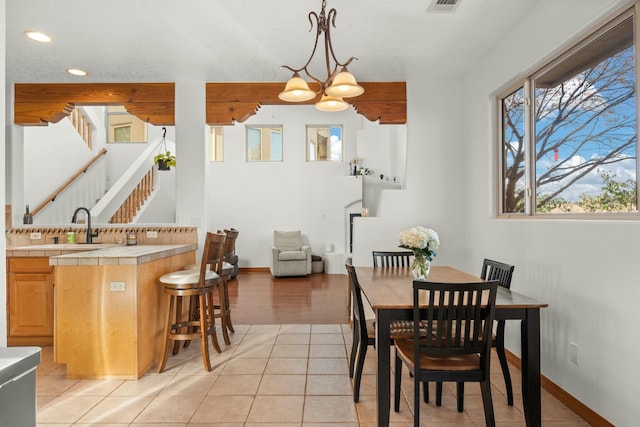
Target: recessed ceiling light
[(77, 72), (38, 36)]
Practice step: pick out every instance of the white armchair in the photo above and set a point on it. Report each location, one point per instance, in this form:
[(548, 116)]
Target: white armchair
[(288, 256)]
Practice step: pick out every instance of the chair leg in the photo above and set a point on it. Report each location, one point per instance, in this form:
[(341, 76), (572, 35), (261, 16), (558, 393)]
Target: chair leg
[(227, 306), (178, 304), (439, 393), (502, 356), (212, 321), (425, 391), (204, 328), (362, 352), (354, 349), (167, 330), (223, 312), (397, 381), (193, 315), (416, 400), (460, 396), (485, 388)]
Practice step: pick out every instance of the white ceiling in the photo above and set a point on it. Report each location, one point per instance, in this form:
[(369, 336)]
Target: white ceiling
[(246, 40)]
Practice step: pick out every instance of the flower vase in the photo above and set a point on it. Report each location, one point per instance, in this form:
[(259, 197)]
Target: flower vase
[(420, 268)]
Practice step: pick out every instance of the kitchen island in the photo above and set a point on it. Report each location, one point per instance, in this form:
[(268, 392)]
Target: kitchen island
[(109, 308)]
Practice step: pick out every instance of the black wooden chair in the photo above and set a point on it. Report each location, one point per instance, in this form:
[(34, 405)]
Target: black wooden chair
[(364, 333), (493, 270), (458, 321), (392, 259)]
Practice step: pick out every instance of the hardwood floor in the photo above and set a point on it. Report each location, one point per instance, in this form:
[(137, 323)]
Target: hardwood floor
[(256, 297)]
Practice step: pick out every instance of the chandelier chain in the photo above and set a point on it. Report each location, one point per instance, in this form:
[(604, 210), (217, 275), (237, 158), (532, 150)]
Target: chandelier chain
[(323, 23)]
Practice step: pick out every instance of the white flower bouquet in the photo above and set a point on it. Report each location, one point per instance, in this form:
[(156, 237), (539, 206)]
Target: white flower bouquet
[(423, 242)]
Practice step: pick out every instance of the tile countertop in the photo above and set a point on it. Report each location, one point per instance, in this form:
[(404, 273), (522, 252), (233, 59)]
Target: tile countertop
[(52, 250), (121, 255)]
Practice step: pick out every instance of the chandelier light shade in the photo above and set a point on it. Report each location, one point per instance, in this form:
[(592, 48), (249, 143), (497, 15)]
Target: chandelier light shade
[(339, 82), (344, 85), (331, 103), (297, 90)]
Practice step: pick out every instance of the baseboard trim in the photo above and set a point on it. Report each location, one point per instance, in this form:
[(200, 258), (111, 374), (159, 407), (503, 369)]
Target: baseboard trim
[(254, 269), (588, 414)]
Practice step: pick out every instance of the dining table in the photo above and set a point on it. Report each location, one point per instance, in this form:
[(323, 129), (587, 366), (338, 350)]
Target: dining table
[(389, 291)]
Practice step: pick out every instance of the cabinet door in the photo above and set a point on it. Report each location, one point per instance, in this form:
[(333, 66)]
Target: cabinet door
[(30, 304)]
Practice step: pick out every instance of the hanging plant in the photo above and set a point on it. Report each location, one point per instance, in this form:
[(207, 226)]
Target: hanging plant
[(164, 159)]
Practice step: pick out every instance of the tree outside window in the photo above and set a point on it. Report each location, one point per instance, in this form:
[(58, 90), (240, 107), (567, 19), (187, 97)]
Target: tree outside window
[(580, 155)]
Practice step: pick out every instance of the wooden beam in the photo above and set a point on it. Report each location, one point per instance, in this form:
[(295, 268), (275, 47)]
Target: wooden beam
[(43, 103), (228, 103)]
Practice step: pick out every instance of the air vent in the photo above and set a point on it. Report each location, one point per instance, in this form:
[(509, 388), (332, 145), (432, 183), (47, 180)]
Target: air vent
[(443, 5)]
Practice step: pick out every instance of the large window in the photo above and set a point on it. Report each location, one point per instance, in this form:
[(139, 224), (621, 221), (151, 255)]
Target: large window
[(568, 132), (264, 143)]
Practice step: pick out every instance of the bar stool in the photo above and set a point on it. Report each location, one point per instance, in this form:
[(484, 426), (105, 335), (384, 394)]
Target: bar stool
[(224, 270), (230, 249), (198, 286)]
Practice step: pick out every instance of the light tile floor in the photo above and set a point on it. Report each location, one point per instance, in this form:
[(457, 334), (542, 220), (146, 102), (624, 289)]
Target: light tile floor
[(270, 376)]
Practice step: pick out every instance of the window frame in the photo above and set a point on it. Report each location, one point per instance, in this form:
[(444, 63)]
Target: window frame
[(264, 128), (216, 144), (308, 143), (133, 123), (526, 81)]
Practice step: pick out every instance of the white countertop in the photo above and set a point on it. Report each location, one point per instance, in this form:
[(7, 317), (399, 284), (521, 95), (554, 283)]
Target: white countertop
[(121, 255), (15, 361)]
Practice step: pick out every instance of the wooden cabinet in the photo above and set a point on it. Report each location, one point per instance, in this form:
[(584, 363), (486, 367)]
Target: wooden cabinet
[(30, 301), (104, 331)]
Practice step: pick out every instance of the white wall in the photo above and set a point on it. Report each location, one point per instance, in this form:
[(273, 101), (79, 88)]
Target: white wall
[(586, 270), (260, 197), (435, 185), (3, 109)]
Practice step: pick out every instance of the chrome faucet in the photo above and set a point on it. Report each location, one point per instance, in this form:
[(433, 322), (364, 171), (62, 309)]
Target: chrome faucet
[(90, 235)]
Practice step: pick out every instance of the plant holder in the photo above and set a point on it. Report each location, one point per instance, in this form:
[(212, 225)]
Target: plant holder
[(162, 165), (164, 159)]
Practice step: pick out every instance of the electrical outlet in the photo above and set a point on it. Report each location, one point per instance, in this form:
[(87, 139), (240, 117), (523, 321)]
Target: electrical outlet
[(152, 234), (36, 236), (117, 286), (573, 352)]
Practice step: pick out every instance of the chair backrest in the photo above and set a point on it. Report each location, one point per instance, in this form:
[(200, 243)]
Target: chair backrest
[(494, 270), (356, 298), (212, 253), (287, 240), (458, 317), (392, 259), (230, 242)]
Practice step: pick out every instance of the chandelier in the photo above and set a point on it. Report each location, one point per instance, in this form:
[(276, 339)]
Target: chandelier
[(338, 84)]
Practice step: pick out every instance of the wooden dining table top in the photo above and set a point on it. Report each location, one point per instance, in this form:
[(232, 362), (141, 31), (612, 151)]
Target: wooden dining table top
[(392, 287)]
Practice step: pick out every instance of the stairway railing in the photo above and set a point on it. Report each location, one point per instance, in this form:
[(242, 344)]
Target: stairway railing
[(136, 199), (68, 182), (125, 189), (82, 125)]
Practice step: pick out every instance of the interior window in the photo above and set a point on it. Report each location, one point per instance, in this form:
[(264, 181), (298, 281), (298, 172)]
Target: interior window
[(264, 143), (216, 144), (324, 142), (124, 127)]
